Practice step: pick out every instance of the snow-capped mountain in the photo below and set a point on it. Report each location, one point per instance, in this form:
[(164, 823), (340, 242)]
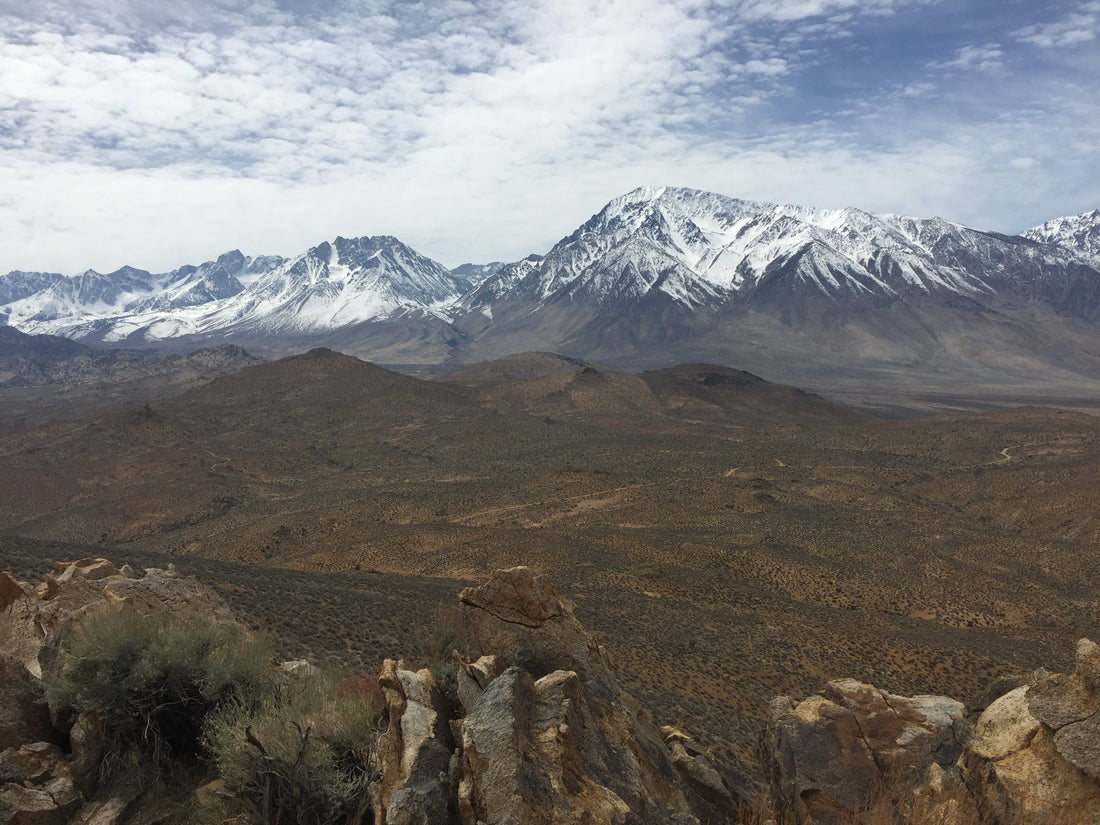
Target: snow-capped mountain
[(657, 276), (1076, 231), (702, 250), (332, 285)]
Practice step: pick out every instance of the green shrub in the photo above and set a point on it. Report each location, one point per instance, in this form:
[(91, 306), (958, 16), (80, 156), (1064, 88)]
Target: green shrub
[(303, 757), (153, 680)]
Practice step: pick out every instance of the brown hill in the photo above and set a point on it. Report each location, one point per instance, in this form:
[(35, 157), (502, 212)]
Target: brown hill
[(711, 524)]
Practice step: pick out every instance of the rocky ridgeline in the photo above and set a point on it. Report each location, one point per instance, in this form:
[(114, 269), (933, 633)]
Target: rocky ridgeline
[(537, 730)]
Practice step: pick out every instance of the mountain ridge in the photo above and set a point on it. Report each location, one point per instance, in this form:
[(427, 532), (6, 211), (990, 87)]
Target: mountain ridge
[(659, 275)]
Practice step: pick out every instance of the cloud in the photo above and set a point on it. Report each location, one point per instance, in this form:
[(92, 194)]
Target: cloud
[(156, 134), (986, 58), (1079, 26)]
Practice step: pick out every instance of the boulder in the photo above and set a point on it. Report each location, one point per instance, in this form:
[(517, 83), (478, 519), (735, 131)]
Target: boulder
[(1029, 757), (33, 620), (519, 617), (1033, 758), (31, 763), (88, 743), (714, 792), (1069, 706), (830, 755), (52, 803)]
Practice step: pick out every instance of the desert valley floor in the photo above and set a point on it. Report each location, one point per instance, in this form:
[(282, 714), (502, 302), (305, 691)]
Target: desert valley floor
[(727, 539)]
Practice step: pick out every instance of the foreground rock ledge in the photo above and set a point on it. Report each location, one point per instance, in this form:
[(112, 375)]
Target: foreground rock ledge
[(1031, 755), (539, 734), (536, 730)]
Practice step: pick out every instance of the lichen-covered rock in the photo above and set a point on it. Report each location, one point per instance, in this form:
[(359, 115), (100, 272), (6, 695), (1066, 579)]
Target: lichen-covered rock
[(536, 733), (413, 755), (1069, 705), (556, 750)]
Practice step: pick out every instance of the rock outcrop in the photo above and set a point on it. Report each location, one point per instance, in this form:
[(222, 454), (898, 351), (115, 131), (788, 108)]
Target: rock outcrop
[(1032, 755), (40, 782), (520, 618), (538, 731), (36, 618)]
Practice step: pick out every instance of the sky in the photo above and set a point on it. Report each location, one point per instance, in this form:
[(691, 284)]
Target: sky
[(159, 134)]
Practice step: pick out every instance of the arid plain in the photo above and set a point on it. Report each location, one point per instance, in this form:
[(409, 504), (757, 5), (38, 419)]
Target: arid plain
[(727, 539)]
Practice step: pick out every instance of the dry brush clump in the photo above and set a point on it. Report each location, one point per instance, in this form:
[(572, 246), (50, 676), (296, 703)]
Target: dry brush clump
[(303, 755), (183, 690), (152, 680)]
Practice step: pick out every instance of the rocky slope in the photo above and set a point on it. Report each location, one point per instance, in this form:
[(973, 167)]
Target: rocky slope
[(535, 729), (48, 377)]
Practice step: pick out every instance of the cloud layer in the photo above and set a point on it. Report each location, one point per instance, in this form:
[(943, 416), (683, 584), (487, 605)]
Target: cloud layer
[(486, 130)]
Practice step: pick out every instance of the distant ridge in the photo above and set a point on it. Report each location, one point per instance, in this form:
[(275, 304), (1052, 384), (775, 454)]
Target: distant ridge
[(658, 276)]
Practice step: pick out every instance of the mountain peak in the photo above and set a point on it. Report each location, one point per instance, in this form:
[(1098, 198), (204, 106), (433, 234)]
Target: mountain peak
[(1080, 232)]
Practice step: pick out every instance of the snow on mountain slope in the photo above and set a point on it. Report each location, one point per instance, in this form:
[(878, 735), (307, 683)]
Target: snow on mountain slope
[(1075, 231), (701, 249), (330, 286), (678, 251)]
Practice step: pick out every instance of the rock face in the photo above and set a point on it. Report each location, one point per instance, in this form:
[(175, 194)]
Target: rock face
[(537, 731), (1031, 756)]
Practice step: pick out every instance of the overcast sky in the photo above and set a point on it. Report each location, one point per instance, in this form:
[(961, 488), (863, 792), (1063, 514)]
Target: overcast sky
[(157, 134)]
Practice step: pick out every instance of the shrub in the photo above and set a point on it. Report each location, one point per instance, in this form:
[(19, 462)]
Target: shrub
[(303, 757), (438, 643), (153, 680)]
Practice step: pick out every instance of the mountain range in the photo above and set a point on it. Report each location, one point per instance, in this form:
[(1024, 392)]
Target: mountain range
[(658, 276)]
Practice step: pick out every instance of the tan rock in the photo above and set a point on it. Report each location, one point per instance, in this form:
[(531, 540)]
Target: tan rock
[(474, 677), (519, 617), (1069, 705), (1005, 727), (413, 755), (1035, 785), (829, 755), (34, 620), (556, 750)]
